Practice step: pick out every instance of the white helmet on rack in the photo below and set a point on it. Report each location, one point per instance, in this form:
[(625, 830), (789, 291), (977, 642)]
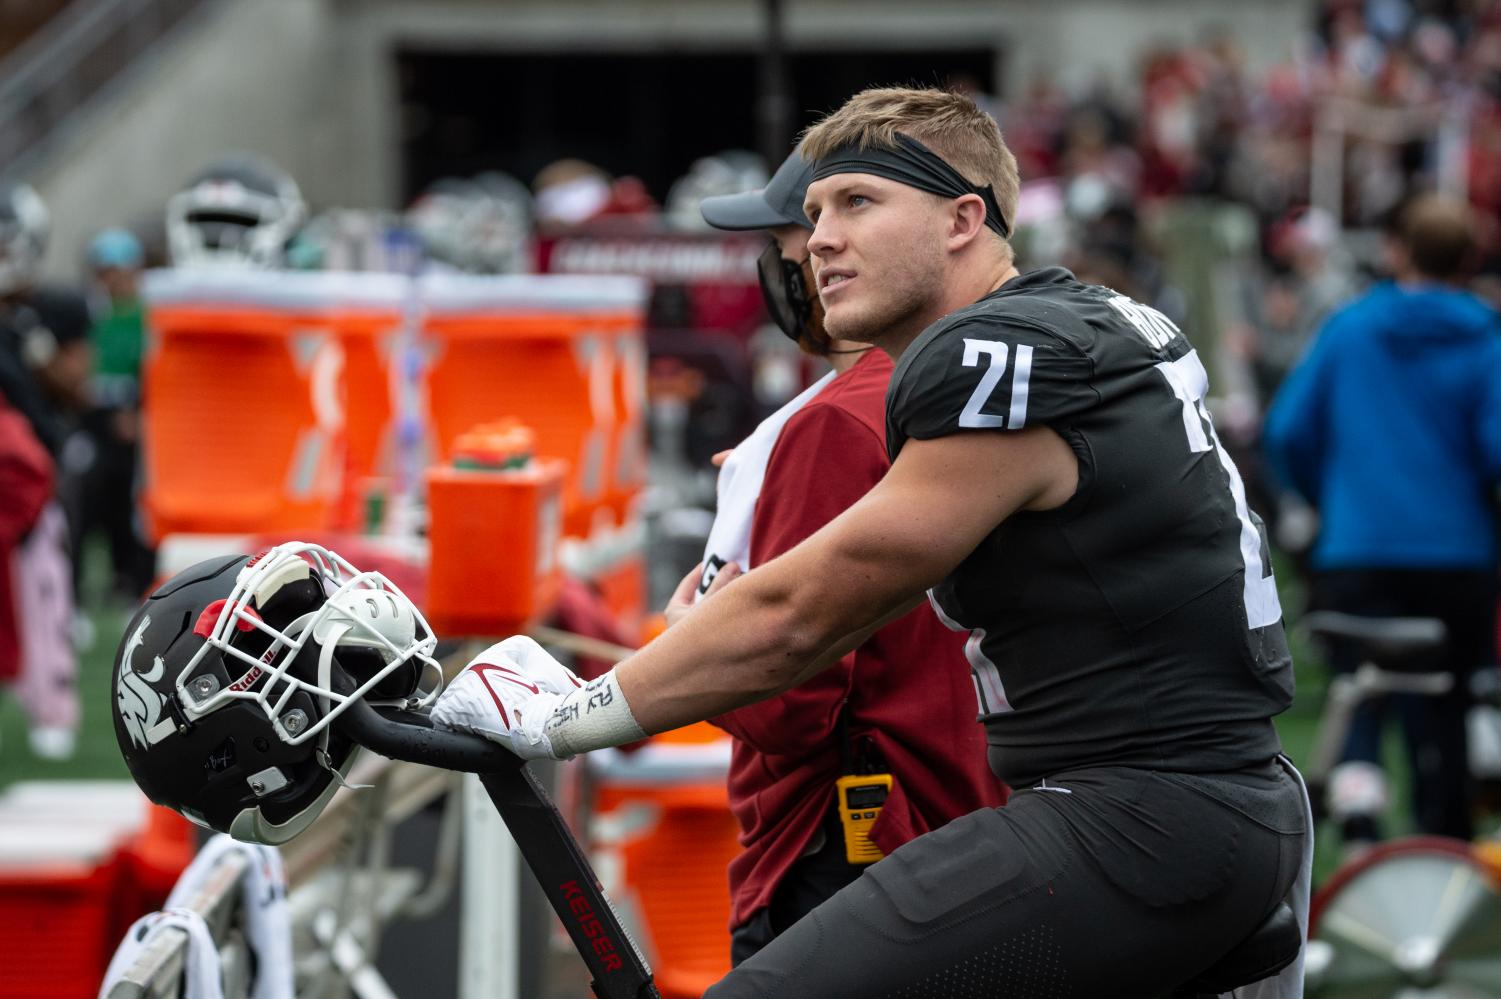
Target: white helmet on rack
[(239, 212)]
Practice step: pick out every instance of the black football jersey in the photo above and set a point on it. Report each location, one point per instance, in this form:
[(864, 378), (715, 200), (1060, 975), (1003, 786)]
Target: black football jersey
[(1138, 624)]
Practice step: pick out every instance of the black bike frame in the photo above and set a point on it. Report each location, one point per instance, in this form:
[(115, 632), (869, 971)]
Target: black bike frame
[(615, 963)]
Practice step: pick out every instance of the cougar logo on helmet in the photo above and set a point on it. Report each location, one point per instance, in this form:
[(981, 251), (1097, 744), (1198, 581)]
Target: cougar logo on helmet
[(140, 705)]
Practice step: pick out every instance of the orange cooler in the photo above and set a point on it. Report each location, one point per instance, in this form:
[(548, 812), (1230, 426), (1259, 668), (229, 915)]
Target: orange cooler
[(540, 348), (494, 537), (663, 823), (249, 408), (628, 452)]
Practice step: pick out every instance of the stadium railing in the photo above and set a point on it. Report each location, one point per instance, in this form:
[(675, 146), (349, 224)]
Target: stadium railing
[(342, 890), (77, 54)]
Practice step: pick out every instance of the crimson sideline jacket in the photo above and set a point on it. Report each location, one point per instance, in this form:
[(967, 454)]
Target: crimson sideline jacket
[(26, 479), (909, 686)]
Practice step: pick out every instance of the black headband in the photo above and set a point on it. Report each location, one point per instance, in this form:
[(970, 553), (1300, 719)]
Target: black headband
[(915, 165)]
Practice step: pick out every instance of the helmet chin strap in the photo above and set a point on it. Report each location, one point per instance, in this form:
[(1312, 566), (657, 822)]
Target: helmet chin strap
[(325, 680)]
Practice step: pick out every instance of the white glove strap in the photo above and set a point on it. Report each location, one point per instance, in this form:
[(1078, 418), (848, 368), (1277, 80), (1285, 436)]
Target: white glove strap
[(592, 717)]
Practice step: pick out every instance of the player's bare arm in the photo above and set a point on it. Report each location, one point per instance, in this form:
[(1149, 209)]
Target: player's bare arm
[(775, 626)]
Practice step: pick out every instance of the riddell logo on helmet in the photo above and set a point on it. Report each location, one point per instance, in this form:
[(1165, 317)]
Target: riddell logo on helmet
[(248, 680), (590, 924)]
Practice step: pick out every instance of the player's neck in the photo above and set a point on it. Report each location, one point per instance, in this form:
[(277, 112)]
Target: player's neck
[(963, 288)]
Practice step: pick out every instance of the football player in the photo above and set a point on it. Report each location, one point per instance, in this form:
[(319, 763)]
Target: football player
[(893, 717), (1058, 490)]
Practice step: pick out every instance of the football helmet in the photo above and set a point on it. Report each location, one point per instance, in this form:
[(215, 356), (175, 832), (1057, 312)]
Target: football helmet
[(481, 226), (730, 172), (225, 684), (240, 211), (23, 237)]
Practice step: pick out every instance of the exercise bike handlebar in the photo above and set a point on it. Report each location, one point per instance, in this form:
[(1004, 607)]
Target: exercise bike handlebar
[(616, 966), (411, 736)]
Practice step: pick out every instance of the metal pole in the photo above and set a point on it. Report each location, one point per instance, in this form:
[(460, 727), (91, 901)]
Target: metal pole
[(1327, 170), (490, 934), (774, 98)]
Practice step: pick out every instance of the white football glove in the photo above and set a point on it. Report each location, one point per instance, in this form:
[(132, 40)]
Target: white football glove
[(506, 694)]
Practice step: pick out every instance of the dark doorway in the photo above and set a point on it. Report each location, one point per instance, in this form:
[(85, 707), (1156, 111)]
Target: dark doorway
[(647, 115)]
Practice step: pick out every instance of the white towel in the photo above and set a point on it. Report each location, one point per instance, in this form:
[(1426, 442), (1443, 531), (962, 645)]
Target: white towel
[(201, 973), (739, 487), (263, 909), (1288, 984)]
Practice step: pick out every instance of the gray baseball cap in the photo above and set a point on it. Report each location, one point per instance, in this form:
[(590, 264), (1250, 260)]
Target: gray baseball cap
[(779, 203)]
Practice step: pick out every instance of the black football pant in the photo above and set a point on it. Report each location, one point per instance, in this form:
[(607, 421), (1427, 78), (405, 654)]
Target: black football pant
[(1105, 882), (1433, 727)]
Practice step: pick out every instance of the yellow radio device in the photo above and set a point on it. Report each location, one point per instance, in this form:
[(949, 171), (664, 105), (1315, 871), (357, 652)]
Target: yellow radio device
[(861, 797)]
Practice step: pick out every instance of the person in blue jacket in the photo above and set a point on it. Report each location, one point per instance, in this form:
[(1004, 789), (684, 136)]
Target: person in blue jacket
[(1391, 428)]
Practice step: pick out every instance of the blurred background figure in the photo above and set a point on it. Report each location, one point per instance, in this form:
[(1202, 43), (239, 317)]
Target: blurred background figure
[(1307, 274), (570, 192), (106, 480), (1391, 428), (44, 360), (25, 345), (26, 487)]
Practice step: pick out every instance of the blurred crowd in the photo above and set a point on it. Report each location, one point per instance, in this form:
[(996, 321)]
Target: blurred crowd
[(1247, 206), (1204, 160)]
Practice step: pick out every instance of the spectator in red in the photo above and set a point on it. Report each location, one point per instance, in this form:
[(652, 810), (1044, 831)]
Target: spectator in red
[(25, 487), (44, 361)]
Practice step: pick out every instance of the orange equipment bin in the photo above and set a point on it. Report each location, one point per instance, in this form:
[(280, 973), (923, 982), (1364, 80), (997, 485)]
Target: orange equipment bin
[(61, 918), (668, 833), (566, 356), (542, 349), (494, 538), (248, 393), (69, 852), (629, 450)]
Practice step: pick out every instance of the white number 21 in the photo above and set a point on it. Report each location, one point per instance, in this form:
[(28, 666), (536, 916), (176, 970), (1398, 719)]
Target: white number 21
[(1021, 371)]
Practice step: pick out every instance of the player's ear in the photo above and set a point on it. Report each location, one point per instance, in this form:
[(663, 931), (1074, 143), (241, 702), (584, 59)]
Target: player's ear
[(967, 220)]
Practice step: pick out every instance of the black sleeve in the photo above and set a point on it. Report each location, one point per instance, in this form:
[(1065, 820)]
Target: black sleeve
[(19, 388), (986, 375), (63, 311)]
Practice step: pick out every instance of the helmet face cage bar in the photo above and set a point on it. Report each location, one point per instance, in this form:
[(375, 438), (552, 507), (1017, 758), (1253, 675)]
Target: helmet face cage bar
[(274, 664)]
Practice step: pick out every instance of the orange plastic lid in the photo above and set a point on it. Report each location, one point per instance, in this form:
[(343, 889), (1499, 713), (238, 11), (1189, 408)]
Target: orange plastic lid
[(499, 444)]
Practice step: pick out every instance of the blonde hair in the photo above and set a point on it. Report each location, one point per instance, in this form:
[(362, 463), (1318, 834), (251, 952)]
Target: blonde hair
[(948, 123)]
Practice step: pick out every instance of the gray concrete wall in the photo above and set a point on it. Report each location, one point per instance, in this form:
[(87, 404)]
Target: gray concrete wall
[(252, 75), (1078, 39), (311, 83)]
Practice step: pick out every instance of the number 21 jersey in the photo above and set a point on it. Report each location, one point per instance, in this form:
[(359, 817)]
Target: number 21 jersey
[(1137, 624)]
